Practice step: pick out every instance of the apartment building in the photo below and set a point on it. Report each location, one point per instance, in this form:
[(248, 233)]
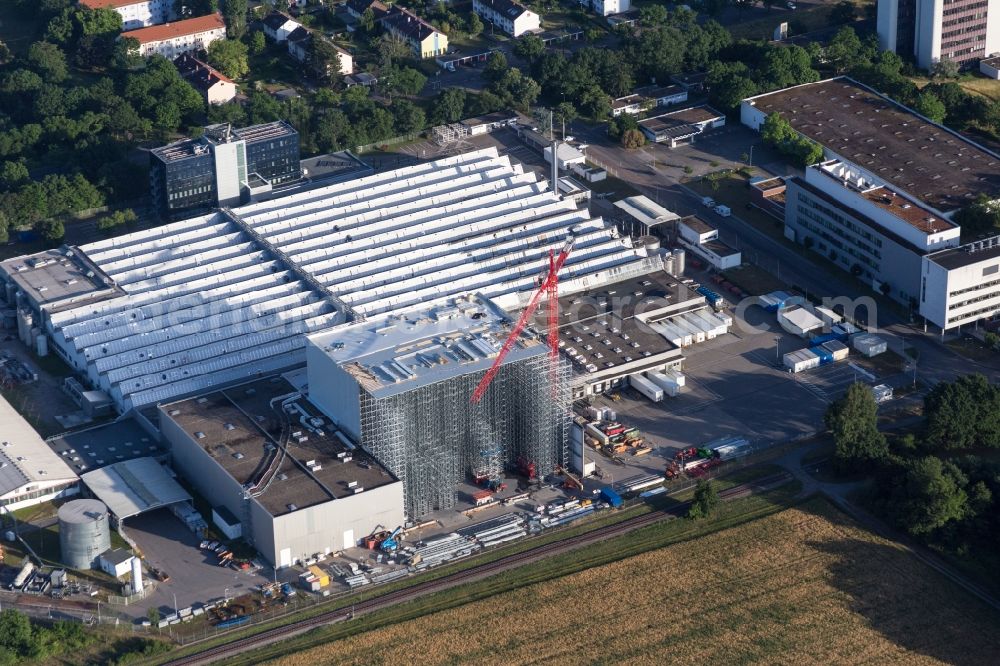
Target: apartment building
[(511, 17), (136, 13), (425, 40), (963, 31), (173, 39)]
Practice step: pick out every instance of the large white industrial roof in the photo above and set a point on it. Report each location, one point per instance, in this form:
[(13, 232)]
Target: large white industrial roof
[(24, 457), (226, 296), (134, 486)]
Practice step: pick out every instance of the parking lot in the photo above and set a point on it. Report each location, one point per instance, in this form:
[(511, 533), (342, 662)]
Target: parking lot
[(194, 573)]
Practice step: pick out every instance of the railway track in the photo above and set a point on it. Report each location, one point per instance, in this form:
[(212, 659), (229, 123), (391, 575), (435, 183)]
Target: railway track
[(468, 575)]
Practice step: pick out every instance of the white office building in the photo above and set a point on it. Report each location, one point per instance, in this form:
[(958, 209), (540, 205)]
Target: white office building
[(962, 31), (961, 285)]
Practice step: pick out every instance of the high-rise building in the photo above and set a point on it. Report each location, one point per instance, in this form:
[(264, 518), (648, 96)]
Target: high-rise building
[(223, 166), (934, 30)]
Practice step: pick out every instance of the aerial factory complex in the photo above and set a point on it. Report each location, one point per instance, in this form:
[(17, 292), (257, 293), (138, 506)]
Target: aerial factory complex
[(310, 360)]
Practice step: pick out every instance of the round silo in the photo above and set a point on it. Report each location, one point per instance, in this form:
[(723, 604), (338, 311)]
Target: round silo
[(679, 262), (651, 244), (84, 532), (668, 264)]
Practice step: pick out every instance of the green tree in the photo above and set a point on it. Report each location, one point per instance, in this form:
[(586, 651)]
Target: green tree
[(15, 633), (153, 615), (98, 22), (729, 83), (322, 58), (408, 117), (980, 216), (368, 21), (448, 106), (496, 66), (652, 15), (126, 54), (230, 56), (566, 113), (13, 174), (963, 414), (117, 219), (929, 106), (844, 50), (50, 229), (945, 68), (235, 13), (853, 421), (257, 42), (931, 496), (4, 227), (475, 25), (404, 80), (705, 500), (192, 8), (48, 60), (529, 47)]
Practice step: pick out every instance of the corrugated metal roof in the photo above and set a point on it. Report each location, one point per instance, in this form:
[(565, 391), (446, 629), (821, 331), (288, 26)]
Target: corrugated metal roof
[(134, 486), (24, 457)]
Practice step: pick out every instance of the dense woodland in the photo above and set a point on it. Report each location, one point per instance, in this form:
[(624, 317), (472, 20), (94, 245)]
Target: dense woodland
[(941, 482)]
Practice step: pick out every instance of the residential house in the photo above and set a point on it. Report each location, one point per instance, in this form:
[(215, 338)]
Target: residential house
[(213, 85), (357, 8), (172, 39), (425, 40), (278, 26), (136, 13), (298, 48), (510, 16), (607, 7)]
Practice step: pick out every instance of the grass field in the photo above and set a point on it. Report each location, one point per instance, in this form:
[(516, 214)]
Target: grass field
[(978, 85), (805, 584)]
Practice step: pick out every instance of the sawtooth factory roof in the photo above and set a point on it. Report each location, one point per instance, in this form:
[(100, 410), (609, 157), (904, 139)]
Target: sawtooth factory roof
[(231, 295)]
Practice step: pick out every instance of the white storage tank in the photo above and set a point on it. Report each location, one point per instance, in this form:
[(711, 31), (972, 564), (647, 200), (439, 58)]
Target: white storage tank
[(84, 532), (668, 264), (651, 244), (680, 262), (136, 575)]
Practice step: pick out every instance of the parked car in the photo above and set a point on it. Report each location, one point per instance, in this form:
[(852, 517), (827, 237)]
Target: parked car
[(724, 211), (708, 202)]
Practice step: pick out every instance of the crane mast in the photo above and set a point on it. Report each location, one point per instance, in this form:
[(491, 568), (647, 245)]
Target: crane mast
[(550, 288)]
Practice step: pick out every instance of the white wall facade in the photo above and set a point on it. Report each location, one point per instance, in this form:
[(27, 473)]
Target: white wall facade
[(144, 14), (171, 48), (961, 295), (220, 92)]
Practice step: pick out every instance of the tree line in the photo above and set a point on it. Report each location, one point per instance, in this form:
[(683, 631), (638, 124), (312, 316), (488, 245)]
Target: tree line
[(940, 483)]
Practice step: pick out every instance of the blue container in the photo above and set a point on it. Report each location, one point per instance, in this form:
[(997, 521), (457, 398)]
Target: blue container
[(712, 297), (611, 497), (824, 355), (234, 622), (820, 339)]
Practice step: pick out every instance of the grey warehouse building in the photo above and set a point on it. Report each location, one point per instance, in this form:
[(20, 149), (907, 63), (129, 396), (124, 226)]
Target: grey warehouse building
[(403, 388), (297, 484), (223, 167)]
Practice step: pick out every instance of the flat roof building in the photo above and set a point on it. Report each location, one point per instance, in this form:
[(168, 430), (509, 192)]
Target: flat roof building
[(223, 167), (680, 127), (298, 485), (891, 143), (962, 284)]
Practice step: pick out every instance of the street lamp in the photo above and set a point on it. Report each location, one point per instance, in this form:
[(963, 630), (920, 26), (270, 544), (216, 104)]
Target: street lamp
[(777, 349)]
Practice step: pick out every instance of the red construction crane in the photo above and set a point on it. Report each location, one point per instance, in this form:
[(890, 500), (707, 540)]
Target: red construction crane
[(549, 287)]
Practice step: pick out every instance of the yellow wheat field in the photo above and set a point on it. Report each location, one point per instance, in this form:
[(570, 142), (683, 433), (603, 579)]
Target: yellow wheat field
[(805, 586)]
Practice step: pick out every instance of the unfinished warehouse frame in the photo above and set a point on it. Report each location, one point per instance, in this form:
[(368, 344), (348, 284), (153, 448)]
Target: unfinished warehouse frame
[(432, 437)]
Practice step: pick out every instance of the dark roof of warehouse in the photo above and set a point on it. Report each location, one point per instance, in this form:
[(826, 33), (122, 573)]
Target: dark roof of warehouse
[(942, 168)]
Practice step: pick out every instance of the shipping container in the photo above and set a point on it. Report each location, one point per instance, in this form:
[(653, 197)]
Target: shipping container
[(646, 387), (321, 576), (611, 497), (869, 345)]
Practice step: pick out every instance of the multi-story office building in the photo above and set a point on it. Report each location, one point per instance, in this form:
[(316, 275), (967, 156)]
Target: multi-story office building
[(224, 166), (882, 205), (511, 17), (961, 285), (136, 13), (873, 231), (931, 30)]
